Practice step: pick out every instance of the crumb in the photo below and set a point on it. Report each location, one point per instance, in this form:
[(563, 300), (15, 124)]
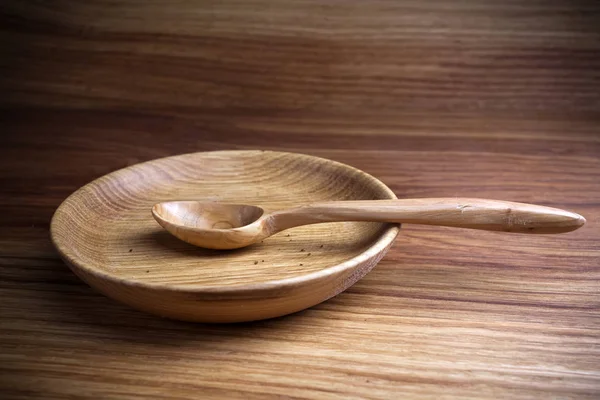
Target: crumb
[(302, 250), (321, 246), (301, 264), (130, 250), (262, 260), (308, 254), (287, 235), (147, 270), (255, 262)]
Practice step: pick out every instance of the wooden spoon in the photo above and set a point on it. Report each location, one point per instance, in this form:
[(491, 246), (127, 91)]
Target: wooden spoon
[(230, 226)]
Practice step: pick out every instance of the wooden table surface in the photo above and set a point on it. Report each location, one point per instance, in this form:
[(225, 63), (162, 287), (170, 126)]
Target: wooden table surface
[(497, 99)]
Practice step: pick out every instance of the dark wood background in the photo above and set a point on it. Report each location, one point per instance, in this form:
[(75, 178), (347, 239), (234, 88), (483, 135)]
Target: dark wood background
[(497, 99)]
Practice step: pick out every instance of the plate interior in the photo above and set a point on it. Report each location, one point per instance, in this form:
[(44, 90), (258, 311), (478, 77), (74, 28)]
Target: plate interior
[(107, 225)]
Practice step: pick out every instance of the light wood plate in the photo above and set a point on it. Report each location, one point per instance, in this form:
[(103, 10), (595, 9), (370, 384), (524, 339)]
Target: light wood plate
[(106, 234)]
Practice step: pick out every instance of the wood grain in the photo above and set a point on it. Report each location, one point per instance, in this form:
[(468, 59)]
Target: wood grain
[(475, 98)]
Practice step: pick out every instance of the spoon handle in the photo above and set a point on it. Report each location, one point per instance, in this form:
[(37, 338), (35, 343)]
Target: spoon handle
[(490, 215)]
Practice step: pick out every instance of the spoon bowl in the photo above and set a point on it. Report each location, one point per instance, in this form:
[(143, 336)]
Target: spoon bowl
[(212, 225), (198, 215)]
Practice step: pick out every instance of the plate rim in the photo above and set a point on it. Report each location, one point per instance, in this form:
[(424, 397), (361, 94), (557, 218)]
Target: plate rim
[(383, 242)]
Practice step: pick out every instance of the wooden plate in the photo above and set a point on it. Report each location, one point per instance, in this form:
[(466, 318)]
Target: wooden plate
[(106, 234)]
